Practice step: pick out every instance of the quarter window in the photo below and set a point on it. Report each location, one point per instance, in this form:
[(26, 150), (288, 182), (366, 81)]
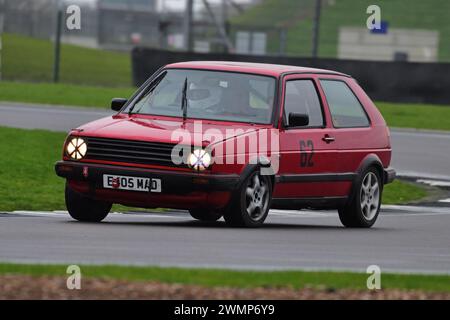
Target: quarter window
[(346, 111), (301, 97)]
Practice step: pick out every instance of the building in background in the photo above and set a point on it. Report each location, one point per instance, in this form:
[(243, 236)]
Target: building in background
[(413, 45), (117, 24), (126, 23), (31, 18)]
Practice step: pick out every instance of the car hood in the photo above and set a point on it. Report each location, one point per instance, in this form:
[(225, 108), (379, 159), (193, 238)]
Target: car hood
[(144, 128)]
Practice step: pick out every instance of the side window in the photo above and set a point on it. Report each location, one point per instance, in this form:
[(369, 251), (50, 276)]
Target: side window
[(346, 111), (301, 97)]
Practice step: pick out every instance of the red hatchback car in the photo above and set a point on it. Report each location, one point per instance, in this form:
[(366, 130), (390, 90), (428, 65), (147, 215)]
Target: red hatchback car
[(234, 140)]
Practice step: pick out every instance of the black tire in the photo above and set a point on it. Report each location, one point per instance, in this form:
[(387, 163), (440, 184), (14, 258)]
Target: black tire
[(238, 215), (85, 209), (205, 215), (363, 209)]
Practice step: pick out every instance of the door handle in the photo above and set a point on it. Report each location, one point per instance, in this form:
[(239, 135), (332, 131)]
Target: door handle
[(327, 138)]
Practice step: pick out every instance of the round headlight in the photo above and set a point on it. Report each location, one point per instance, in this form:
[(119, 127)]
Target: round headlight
[(199, 159), (76, 148)]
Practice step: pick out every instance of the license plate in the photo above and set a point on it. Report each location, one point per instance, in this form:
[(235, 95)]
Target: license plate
[(131, 183)]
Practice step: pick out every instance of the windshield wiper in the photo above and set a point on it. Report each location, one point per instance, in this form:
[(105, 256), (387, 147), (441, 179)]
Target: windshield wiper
[(145, 93), (184, 101)]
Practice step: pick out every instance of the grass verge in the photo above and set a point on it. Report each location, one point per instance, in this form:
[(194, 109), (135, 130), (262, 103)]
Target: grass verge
[(30, 59), (419, 116), (399, 192), (240, 279), (28, 180), (61, 94)]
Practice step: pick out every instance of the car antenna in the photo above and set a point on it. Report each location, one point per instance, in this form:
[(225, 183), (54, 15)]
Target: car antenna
[(184, 101)]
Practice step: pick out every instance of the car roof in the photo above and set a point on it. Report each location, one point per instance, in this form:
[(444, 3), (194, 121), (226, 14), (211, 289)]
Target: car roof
[(275, 70)]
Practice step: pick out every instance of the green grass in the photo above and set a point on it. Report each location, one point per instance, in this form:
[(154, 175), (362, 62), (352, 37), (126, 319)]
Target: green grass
[(27, 177), (419, 116), (297, 16), (29, 59), (240, 279), (61, 94), (28, 180), (402, 192)]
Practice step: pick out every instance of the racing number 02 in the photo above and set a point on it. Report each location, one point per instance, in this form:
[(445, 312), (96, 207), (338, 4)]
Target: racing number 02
[(306, 153)]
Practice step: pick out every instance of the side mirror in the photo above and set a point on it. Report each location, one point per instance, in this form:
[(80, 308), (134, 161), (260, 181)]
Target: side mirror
[(298, 119), (118, 103)]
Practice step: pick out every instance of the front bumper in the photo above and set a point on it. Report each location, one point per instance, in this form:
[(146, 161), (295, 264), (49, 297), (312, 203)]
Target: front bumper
[(389, 175), (173, 182)]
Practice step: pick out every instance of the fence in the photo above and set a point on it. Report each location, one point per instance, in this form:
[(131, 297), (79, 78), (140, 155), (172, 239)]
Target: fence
[(37, 19), (262, 27), (102, 25)]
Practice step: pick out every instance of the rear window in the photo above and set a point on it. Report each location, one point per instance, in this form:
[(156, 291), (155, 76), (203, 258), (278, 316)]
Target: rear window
[(346, 111)]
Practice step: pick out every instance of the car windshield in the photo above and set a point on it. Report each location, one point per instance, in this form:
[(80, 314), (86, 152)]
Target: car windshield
[(209, 95)]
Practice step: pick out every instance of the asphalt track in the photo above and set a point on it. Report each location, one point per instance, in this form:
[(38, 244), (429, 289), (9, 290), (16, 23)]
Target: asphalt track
[(401, 241), (404, 239)]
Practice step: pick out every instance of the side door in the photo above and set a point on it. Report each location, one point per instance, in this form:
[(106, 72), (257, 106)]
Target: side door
[(307, 153), (355, 135)]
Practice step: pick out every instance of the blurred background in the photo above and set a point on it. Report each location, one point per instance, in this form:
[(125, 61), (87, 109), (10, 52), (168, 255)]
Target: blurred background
[(100, 52), (48, 70)]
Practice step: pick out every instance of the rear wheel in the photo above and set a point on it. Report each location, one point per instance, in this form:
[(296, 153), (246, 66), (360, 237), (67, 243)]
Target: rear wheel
[(205, 215), (363, 210), (252, 203), (85, 209)]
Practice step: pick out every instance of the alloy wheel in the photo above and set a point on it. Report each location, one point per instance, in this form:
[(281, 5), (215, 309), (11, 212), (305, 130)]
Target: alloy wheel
[(370, 196)]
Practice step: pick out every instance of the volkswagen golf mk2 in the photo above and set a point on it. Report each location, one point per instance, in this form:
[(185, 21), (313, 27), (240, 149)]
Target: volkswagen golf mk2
[(232, 140)]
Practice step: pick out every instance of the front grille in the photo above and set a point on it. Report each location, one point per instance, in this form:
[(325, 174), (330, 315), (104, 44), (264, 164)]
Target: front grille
[(153, 153)]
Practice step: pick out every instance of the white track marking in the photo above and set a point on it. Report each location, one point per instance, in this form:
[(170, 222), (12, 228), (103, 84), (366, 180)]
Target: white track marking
[(421, 175), (400, 210), (417, 209), (37, 213), (434, 183), (66, 214), (300, 213), (445, 200), (278, 213)]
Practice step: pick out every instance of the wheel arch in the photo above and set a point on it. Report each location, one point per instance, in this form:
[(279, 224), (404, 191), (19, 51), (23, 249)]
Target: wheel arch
[(256, 164), (371, 160), (251, 167)]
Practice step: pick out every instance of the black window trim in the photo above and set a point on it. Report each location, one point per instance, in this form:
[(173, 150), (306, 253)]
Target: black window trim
[(322, 107), (356, 97)]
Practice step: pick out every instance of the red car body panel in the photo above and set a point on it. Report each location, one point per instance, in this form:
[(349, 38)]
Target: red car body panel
[(342, 157)]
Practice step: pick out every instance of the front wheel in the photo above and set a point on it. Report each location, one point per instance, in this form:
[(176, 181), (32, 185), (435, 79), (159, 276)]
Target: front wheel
[(252, 202), (363, 210), (85, 209)]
